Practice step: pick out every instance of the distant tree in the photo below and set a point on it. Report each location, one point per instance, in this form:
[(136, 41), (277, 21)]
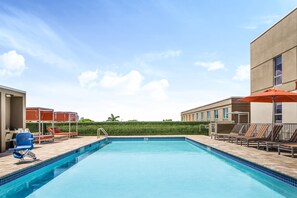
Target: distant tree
[(113, 118), (85, 120), (134, 120), (167, 120)]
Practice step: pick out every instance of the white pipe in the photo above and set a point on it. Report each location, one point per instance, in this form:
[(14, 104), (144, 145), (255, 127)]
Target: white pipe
[(39, 125), (69, 124), (76, 119), (53, 121)]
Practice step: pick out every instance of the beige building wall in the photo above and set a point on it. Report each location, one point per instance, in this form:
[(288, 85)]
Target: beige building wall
[(261, 112), (7, 112), (12, 112), (280, 39), (289, 112)]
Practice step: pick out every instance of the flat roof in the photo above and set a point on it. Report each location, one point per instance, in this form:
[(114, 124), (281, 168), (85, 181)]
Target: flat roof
[(233, 97), (11, 89), (39, 108), (69, 112), (274, 25)]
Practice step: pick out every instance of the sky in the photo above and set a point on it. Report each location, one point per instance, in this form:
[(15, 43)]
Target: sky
[(146, 60)]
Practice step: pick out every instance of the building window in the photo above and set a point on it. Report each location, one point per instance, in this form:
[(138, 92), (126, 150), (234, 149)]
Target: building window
[(216, 114), (225, 113), (193, 117), (208, 115), (278, 109), (278, 70), (197, 116), (202, 116)]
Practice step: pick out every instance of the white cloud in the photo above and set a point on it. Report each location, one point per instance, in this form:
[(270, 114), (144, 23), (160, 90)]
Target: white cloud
[(269, 19), (11, 64), (249, 27), (88, 78), (171, 53), (211, 66), (242, 73), (42, 42), (127, 84), (261, 21), (161, 55), (157, 89)]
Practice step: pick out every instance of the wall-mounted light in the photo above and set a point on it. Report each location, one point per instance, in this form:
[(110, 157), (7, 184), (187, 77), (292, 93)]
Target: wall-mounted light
[(8, 95)]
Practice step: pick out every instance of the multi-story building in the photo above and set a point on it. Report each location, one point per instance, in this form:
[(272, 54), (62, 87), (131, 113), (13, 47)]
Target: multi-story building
[(274, 65), (227, 110)]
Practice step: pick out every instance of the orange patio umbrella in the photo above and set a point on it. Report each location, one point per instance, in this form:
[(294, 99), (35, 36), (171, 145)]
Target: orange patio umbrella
[(271, 96)]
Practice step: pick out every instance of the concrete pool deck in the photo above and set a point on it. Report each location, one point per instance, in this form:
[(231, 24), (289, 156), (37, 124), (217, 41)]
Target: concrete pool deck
[(271, 160), (43, 151)]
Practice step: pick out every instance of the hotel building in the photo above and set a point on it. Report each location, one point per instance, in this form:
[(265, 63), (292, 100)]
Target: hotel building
[(220, 111), (274, 65)]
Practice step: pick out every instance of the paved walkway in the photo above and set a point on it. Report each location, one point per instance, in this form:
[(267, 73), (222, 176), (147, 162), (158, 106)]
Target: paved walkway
[(44, 151), (271, 160)]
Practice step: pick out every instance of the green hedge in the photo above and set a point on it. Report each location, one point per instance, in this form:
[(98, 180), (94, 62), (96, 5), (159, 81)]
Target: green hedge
[(133, 128)]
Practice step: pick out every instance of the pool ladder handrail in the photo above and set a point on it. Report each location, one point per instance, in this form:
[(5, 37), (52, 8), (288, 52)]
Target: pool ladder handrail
[(103, 131)]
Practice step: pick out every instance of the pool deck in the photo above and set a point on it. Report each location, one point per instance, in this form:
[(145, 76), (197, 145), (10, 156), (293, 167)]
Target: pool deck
[(43, 151), (271, 160)]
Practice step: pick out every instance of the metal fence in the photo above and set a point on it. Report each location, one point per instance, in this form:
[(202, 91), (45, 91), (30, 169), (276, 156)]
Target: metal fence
[(285, 133)]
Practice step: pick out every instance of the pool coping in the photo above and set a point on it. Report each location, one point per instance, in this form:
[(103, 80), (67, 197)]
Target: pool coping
[(273, 173), (19, 173)]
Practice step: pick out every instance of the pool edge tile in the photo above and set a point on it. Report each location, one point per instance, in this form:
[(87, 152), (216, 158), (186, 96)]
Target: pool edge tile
[(273, 173)]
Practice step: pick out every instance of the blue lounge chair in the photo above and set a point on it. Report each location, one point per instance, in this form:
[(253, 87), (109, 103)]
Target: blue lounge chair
[(23, 146)]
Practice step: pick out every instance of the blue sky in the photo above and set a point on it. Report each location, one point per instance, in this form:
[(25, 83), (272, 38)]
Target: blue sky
[(144, 60)]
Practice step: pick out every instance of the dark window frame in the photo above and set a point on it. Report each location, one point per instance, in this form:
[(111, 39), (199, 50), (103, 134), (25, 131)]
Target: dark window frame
[(278, 112), (277, 74), (216, 114), (208, 115), (225, 113)]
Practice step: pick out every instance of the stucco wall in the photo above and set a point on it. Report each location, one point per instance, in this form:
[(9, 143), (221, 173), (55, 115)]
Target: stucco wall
[(13, 111), (280, 39), (261, 112)]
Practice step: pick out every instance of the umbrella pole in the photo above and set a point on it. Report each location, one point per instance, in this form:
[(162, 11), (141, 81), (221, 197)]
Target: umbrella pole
[(273, 112), (39, 131)]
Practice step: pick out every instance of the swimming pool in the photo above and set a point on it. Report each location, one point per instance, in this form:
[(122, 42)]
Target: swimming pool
[(145, 167)]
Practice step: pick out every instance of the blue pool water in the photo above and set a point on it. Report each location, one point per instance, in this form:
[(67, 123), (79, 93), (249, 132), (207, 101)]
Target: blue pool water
[(150, 169)]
